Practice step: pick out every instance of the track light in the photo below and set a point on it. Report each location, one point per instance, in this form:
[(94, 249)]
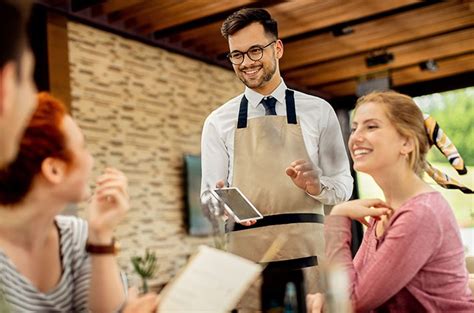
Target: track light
[(429, 65), (342, 30), (379, 58)]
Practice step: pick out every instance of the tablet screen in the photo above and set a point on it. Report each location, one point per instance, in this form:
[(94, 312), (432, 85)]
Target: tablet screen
[(237, 203)]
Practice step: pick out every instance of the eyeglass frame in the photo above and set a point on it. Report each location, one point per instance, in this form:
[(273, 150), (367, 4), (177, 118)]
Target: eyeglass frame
[(262, 48)]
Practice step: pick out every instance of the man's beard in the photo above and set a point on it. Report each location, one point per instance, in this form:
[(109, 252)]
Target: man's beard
[(266, 77)]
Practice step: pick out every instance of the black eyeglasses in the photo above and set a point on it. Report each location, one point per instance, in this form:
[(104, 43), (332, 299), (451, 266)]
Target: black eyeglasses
[(255, 53)]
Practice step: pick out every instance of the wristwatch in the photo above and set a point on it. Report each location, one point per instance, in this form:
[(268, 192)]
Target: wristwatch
[(112, 248)]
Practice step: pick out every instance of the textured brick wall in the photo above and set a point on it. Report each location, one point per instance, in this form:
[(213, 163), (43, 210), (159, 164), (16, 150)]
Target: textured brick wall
[(141, 108)]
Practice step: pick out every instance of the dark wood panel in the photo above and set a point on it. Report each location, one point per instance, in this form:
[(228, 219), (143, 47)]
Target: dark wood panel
[(58, 58), (436, 19), (404, 55), (140, 15), (409, 75), (111, 6), (296, 17), (448, 67), (314, 59), (185, 11)]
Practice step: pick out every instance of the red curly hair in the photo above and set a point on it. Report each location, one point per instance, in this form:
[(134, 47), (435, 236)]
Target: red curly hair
[(43, 138)]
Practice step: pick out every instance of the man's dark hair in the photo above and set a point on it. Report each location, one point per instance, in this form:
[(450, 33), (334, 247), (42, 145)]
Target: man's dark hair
[(13, 41), (244, 17)]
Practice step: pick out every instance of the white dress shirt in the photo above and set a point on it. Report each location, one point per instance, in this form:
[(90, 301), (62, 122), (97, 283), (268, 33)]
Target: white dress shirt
[(321, 134)]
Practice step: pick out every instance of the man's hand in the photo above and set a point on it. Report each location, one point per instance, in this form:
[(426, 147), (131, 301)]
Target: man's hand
[(220, 184), (360, 209), (108, 206), (315, 303), (305, 176)]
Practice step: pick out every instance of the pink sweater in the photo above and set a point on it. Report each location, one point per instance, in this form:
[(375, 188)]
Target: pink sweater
[(417, 265)]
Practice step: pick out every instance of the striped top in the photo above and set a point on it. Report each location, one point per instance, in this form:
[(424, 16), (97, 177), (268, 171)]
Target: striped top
[(70, 295)]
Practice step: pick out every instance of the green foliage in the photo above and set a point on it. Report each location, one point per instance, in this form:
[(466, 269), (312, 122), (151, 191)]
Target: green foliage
[(454, 112), (145, 267)]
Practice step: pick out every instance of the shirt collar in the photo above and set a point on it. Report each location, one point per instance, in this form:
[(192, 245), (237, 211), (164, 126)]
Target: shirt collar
[(255, 98)]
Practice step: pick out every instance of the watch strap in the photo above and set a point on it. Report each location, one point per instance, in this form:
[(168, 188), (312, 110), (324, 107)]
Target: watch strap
[(111, 248)]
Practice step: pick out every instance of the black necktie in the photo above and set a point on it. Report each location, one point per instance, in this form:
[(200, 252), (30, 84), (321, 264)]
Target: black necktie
[(269, 104)]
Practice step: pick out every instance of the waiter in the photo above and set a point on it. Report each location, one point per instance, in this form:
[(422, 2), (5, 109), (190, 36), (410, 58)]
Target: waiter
[(282, 148)]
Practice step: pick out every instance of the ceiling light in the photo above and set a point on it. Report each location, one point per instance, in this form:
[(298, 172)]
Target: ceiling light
[(430, 66), (342, 30), (379, 58)]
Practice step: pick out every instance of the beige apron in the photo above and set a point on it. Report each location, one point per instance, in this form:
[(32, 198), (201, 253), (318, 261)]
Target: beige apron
[(264, 147)]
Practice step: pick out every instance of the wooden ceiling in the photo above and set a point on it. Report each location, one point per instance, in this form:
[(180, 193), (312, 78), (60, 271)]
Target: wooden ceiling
[(326, 42)]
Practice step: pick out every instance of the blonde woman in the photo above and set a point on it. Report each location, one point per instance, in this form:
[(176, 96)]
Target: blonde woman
[(412, 257)]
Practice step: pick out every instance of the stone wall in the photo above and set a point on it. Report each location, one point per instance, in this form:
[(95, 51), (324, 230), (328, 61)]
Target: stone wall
[(141, 108)]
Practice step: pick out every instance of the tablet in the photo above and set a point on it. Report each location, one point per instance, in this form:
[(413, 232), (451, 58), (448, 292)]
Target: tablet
[(236, 204)]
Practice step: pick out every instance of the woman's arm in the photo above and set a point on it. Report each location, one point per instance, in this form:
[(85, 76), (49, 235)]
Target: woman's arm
[(107, 209), (405, 249)]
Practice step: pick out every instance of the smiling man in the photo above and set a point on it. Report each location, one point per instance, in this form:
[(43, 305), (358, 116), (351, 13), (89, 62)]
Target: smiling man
[(282, 148)]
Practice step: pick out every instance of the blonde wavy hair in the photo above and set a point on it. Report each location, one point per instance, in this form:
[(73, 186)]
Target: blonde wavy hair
[(407, 119)]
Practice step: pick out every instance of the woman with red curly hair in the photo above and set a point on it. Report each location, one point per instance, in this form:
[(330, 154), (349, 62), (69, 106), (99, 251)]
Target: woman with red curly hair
[(44, 265)]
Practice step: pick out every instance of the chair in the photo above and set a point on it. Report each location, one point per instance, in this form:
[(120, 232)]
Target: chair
[(470, 269)]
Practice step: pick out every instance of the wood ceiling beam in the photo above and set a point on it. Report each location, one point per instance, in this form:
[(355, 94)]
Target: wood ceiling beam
[(112, 6), (101, 23), (455, 65), (437, 19), (79, 5), (448, 83), (447, 67), (131, 13), (209, 35), (183, 12), (212, 22), (298, 22), (457, 81), (318, 16), (294, 19), (58, 3), (404, 55)]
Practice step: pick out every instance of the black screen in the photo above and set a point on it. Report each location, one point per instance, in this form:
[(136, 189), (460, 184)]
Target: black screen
[(237, 203)]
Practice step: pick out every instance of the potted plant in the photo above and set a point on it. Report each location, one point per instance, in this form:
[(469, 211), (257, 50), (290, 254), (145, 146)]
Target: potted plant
[(145, 267)]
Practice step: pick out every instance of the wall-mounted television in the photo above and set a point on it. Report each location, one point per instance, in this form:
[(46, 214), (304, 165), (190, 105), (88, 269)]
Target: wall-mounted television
[(198, 224)]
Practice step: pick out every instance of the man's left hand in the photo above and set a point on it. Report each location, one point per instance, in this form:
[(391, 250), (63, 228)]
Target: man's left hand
[(305, 176)]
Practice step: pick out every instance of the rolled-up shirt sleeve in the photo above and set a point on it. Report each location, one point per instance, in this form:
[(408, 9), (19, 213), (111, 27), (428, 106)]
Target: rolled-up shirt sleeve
[(336, 180), (214, 156)]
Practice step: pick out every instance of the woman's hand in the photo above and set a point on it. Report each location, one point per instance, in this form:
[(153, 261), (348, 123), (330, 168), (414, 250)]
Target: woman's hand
[(305, 176), (360, 209), (108, 206), (140, 304), (315, 303)]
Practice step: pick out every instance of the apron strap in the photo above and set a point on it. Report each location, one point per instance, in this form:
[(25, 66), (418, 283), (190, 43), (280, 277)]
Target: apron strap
[(244, 107), (280, 219), (292, 264), (290, 106), (290, 109)]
